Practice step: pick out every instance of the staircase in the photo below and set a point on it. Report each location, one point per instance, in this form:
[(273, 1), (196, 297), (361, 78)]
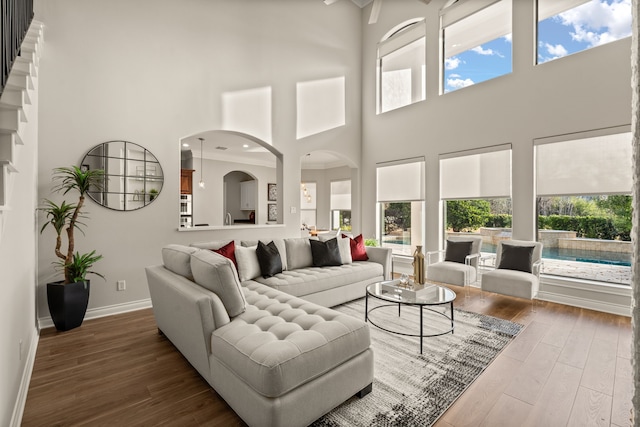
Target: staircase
[(15, 109)]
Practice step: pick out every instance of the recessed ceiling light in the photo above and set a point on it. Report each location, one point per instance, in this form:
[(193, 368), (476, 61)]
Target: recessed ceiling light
[(184, 144), (245, 146)]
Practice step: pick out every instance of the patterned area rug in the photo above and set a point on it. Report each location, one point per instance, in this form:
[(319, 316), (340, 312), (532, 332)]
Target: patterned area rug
[(411, 389)]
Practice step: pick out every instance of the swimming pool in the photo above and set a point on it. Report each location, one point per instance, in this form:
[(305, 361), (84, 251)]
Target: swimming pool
[(578, 255)]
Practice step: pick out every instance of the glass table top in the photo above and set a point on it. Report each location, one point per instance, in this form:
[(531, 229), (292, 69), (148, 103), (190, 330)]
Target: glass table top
[(427, 294)]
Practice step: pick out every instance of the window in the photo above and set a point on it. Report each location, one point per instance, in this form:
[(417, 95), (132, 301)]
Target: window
[(308, 198), (476, 188), (584, 206), (570, 26), (341, 205), (477, 42), (401, 62), (400, 195)]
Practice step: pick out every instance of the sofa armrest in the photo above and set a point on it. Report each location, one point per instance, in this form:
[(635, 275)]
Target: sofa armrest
[(381, 256), (186, 313)]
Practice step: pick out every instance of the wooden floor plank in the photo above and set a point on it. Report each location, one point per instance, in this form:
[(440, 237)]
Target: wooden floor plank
[(526, 341), (558, 395), (599, 371), (527, 384), (591, 408), (507, 412), (622, 393)]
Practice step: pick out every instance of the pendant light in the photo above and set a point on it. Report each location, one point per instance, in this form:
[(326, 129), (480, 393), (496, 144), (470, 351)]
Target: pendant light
[(201, 183)]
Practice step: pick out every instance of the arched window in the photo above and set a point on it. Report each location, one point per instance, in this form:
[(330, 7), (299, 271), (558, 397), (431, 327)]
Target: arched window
[(401, 66)]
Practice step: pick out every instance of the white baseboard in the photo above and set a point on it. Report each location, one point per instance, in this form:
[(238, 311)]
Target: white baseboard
[(95, 313), (21, 400), (606, 307)]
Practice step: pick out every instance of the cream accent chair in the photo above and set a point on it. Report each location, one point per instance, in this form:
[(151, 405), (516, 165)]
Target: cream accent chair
[(451, 272), (507, 278)]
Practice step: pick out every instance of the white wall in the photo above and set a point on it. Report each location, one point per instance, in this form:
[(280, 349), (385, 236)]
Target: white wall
[(153, 72), (587, 90), (18, 265)]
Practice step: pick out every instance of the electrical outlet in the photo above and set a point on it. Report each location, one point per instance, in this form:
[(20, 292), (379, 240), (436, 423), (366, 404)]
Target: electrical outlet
[(122, 285), (293, 209)]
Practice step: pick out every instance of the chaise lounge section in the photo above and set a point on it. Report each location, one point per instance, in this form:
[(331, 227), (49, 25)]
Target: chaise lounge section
[(276, 359)]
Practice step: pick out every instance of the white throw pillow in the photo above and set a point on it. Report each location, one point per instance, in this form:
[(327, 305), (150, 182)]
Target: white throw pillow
[(298, 253), (248, 265), (344, 246)]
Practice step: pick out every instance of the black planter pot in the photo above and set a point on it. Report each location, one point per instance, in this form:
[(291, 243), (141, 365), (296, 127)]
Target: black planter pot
[(68, 303)]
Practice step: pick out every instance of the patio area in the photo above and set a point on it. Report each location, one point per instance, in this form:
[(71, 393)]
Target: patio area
[(589, 271)]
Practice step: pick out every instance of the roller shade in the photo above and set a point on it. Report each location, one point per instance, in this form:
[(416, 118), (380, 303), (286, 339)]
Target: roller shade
[(341, 195), (587, 166), (549, 8), (473, 23), (401, 181), (476, 174), (409, 35)]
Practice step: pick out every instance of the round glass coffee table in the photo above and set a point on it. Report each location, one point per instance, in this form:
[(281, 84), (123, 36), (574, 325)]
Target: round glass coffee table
[(423, 296)]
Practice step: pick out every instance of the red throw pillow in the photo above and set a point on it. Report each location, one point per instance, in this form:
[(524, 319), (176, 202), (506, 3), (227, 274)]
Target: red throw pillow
[(358, 251), (228, 251)]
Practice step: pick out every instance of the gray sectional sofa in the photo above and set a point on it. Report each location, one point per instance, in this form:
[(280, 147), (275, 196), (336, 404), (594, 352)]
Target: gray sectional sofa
[(269, 346)]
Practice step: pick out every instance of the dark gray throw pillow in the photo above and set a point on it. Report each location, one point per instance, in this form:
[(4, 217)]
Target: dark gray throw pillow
[(325, 253), (457, 250), (269, 259), (516, 257)]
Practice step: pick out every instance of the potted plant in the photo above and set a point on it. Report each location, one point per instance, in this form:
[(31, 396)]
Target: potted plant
[(153, 193), (68, 298)]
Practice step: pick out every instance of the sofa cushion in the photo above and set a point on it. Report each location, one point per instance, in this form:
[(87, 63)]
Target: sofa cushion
[(248, 264), (177, 258), (269, 259), (217, 274), (325, 253), (279, 244), (281, 342), (298, 253), (228, 251), (458, 250), (311, 280)]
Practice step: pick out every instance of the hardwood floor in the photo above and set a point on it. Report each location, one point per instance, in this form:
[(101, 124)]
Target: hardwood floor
[(568, 367)]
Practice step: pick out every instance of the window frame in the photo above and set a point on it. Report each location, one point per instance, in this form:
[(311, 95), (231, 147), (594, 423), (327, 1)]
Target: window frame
[(398, 38), (413, 173)]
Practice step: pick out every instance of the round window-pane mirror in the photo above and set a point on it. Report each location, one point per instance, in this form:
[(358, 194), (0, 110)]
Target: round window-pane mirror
[(133, 176)]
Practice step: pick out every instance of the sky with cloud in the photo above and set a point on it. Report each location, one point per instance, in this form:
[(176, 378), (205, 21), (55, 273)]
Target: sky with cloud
[(591, 24)]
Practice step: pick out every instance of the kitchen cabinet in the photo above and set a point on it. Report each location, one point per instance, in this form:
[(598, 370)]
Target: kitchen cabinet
[(186, 181), (248, 195)]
